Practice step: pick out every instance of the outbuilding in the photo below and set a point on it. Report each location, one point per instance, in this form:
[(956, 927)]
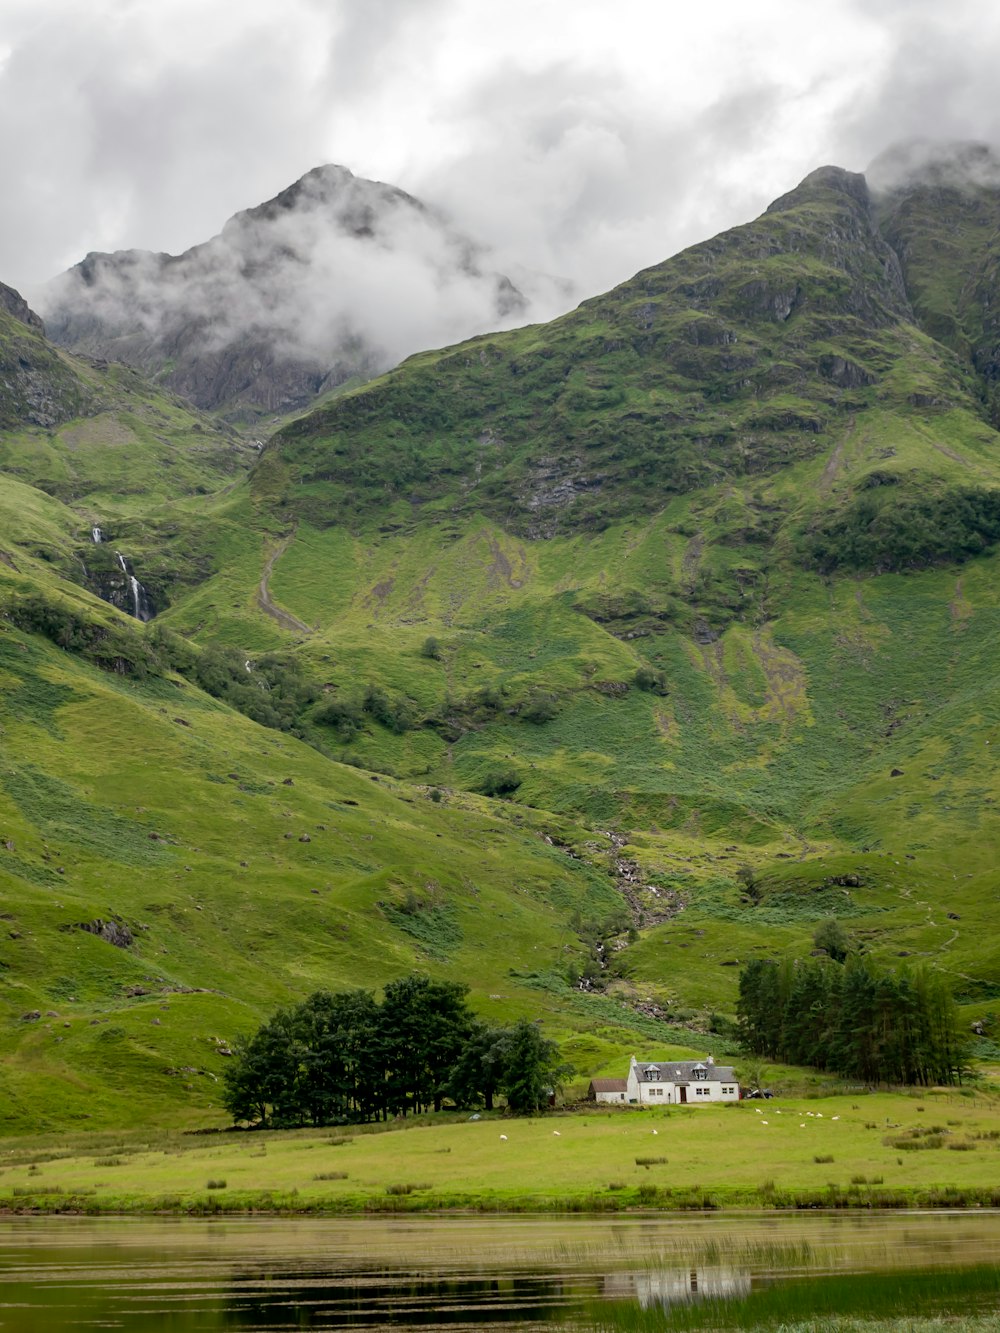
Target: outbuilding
[(608, 1090)]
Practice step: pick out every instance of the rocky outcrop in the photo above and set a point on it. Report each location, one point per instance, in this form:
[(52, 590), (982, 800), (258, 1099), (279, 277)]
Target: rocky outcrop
[(15, 304), (37, 387)]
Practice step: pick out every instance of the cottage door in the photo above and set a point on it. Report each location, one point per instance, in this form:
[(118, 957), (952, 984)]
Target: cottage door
[(684, 1093)]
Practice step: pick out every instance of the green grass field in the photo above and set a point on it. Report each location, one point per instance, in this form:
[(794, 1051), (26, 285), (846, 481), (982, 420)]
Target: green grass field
[(939, 1149)]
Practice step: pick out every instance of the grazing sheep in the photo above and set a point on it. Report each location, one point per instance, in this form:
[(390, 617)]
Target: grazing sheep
[(503, 1138)]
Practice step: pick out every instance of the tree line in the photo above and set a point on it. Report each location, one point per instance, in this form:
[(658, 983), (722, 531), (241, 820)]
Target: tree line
[(852, 1019), (343, 1058)]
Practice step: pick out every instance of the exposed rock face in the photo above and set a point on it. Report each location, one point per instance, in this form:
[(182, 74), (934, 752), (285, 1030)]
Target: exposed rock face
[(334, 278), (112, 932), (938, 206), (37, 388), (15, 304)]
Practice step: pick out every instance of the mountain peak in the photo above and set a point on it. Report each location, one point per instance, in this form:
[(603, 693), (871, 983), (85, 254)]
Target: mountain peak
[(949, 164), (293, 297), (820, 184)]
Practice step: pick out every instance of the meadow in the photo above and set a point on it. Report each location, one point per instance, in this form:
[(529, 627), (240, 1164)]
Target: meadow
[(938, 1149)]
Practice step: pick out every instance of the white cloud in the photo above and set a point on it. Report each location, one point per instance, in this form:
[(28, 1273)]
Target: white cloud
[(577, 136)]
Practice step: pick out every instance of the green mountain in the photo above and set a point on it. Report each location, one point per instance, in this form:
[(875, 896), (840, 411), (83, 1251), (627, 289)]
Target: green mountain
[(646, 640)]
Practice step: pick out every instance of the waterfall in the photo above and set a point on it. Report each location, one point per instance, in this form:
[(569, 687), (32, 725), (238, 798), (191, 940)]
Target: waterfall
[(97, 535), (141, 607)]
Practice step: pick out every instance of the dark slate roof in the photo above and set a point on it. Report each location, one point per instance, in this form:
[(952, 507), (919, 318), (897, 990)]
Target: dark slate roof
[(684, 1071), (609, 1084)]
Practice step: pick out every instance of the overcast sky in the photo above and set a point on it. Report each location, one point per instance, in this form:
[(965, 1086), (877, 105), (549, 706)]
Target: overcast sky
[(585, 138)]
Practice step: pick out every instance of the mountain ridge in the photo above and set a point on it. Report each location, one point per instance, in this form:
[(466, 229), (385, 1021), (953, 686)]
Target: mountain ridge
[(290, 300)]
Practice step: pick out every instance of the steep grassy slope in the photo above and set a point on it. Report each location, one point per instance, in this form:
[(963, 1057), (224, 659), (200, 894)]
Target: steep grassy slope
[(654, 544), (734, 360), (701, 577), (87, 445), (171, 872)]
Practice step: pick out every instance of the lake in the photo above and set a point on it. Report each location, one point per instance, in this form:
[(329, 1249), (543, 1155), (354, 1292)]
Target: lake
[(476, 1272)]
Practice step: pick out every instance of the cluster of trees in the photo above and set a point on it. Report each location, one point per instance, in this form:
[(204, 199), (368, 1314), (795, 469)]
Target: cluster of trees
[(112, 647), (852, 1019), (342, 1058), (892, 527), (272, 690)]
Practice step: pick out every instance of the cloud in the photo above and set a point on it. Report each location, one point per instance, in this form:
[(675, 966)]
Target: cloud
[(335, 276), (577, 138), (936, 81), (121, 124)]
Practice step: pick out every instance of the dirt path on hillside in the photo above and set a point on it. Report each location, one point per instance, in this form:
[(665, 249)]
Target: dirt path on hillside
[(284, 618)]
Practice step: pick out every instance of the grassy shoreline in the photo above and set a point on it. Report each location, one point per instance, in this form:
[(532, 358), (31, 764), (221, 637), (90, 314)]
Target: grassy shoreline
[(875, 1151), (267, 1204)]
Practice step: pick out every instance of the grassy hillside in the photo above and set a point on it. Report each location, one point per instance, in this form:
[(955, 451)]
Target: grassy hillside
[(645, 641), (763, 673), (173, 871)]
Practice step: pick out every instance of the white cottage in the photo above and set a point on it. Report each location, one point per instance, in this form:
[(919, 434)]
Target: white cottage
[(690, 1082)]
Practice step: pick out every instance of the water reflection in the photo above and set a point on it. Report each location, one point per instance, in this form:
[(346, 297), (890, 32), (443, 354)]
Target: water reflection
[(677, 1285), (404, 1300), (187, 1276)]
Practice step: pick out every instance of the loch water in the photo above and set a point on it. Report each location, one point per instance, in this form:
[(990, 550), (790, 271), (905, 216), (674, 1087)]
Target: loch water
[(475, 1272)]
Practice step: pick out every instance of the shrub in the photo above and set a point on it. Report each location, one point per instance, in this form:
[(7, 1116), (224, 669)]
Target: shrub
[(396, 714), (499, 782), (832, 938), (343, 715), (431, 649), (539, 708), (216, 1185), (650, 680), (120, 649)]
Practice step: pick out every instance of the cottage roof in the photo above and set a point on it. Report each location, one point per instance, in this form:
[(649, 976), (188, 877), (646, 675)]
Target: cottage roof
[(609, 1084), (684, 1071)]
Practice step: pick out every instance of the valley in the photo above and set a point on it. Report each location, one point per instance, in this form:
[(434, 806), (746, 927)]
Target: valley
[(582, 662)]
